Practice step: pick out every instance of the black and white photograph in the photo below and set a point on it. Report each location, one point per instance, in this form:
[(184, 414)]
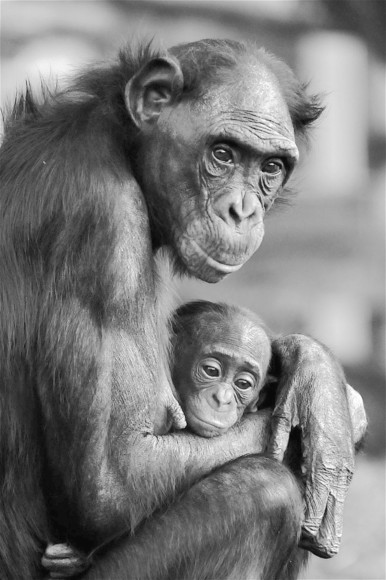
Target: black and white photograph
[(192, 289)]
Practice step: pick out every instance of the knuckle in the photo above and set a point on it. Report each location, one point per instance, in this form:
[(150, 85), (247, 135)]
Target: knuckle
[(327, 548), (274, 452), (310, 529), (317, 548), (317, 541), (281, 420)]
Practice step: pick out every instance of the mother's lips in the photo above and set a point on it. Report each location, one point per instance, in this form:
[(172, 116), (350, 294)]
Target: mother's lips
[(215, 264), (226, 268)]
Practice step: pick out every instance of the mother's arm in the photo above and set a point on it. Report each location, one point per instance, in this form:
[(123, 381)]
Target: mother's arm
[(313, 395)]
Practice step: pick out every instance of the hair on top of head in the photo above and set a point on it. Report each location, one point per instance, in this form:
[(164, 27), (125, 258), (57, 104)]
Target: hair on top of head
[(197, 307), (185, 317), (202, 62), (304, 109), (190, 319), (102, 84), (207, 60)]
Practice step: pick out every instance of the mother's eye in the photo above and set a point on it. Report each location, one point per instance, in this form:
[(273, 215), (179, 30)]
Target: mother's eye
[(223, 154), (273, 167)]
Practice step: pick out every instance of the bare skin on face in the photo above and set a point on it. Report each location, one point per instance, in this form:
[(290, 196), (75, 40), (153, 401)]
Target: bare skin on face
[(220, 365), (235, 154)]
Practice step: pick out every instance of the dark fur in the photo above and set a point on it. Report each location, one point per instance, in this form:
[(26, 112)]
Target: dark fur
[(203, 534), (60, 157), (206, 64)]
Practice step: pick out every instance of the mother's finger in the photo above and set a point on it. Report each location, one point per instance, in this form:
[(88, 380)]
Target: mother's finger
[(330, 533), (317, 489), (278, 443), (322, 527)]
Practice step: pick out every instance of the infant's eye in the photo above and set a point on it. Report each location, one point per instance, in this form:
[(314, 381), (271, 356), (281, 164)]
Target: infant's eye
[(245, 381), (223, 154), (210, 368), (273, 166), (211, 371), (243, 384)]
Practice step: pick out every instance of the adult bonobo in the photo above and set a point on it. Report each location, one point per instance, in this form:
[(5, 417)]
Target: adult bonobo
[(184, 150)]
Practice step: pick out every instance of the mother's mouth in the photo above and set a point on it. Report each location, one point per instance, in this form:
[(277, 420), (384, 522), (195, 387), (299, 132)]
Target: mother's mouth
[(221, 267), (215, 264)]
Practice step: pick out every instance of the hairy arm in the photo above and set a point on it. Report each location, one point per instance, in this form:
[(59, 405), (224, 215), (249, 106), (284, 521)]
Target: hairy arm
[(100, 408), (163, 464), (102, 380)]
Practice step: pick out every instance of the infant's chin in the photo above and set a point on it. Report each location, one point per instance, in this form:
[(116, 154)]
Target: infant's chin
[(208, 432), (205, 429)]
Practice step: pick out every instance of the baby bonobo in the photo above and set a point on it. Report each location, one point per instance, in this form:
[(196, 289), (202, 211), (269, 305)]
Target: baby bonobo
[(221, 358)]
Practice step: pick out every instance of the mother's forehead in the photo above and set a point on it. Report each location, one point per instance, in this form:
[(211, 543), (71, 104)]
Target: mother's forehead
[(250, 89)]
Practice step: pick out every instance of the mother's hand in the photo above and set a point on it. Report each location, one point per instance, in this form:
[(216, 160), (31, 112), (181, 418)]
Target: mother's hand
[(312, 395)]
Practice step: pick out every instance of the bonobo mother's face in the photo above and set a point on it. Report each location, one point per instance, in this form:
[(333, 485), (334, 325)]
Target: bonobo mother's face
[(221, 161)]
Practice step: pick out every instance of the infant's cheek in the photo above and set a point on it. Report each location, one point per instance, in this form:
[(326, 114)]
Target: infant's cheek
[(240, 412)]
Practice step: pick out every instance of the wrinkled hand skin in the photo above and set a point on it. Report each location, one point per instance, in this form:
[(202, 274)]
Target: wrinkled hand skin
[(312, 395)]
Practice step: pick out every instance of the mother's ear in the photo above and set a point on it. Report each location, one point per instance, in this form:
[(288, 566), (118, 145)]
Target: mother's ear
[(155, 86)]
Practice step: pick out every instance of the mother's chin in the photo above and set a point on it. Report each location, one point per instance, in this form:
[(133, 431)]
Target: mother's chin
[(212, 266)]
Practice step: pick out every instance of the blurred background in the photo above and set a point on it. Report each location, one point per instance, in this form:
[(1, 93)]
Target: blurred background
[(321, 268)]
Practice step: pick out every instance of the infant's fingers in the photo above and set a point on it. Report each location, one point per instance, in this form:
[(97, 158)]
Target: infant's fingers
[(64, 567), (59, 551), (64, 561), (278, 443), (177, 415)]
